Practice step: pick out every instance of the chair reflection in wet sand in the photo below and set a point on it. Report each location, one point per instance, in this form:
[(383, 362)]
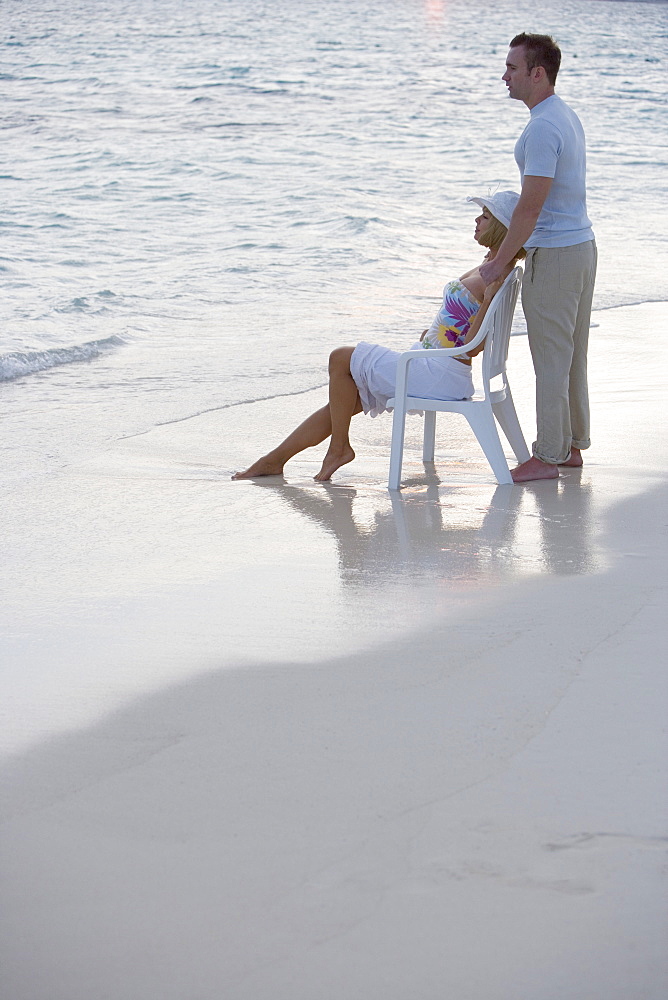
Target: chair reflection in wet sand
[(417, 535), (483, 409), (449, 532)]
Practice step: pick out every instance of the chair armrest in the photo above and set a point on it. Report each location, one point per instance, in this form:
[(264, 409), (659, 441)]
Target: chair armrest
[(406, 357), (443, 352)]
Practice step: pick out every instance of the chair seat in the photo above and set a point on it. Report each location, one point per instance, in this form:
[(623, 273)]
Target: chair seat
[(449, 405)]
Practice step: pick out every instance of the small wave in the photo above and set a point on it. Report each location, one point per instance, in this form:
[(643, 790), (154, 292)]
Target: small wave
[(227, 406), (20, 363), (631, 302), (83, 304)]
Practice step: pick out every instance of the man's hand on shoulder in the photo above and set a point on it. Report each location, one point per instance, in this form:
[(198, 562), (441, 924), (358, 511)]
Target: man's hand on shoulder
[(491, 271)]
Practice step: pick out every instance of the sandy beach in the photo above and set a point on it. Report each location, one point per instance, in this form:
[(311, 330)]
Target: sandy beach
[(280, 740)]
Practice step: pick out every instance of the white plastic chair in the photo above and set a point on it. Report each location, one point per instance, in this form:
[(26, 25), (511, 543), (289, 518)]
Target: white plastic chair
[(481, 409)]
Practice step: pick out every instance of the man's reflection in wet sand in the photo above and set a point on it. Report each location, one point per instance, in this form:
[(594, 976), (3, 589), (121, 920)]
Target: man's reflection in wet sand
[(567, 524), (463, 532)]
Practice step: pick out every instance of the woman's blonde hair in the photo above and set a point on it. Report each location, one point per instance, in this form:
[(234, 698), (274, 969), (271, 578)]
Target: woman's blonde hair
[(494, 236)]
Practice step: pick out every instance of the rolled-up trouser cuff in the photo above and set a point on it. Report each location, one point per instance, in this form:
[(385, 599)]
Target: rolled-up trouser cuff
[(549, 461)]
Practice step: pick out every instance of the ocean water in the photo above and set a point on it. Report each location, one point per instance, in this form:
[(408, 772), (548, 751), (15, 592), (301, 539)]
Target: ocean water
[(202, 199)]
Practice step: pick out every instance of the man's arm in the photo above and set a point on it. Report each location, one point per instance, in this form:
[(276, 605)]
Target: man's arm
[(532, 198)]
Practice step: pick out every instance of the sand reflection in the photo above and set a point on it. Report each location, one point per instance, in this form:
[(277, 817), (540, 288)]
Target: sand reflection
[(464, 533)]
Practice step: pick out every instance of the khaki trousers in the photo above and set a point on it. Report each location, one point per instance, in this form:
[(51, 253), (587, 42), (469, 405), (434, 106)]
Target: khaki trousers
[(557, 292)]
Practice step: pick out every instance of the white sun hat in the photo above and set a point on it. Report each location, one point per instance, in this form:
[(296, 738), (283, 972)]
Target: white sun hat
[(501, 205)]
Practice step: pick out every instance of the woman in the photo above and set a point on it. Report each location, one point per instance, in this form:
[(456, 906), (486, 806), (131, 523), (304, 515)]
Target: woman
[(363, 377)]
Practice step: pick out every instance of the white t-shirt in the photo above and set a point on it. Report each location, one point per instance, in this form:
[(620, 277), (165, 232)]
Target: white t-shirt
[(553, 145)]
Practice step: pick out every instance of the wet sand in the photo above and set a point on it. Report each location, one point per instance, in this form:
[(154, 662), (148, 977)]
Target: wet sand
[(278, 740)]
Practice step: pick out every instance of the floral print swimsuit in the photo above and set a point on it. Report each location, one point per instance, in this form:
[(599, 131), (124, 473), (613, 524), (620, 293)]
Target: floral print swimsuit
[(453, 319)]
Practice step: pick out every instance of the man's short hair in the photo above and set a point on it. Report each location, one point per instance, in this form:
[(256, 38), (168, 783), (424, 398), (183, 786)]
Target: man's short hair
[(541, 50)]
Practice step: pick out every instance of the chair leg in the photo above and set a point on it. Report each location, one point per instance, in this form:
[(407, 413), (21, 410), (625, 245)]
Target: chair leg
[(484, 427), (429, 441), (403, 537), (397, 446), (505, 413)]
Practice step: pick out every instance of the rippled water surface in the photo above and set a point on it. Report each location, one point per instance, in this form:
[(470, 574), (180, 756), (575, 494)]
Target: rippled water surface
[(201, 199)]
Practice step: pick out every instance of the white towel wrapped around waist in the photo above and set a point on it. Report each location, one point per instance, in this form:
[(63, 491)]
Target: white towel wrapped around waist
[(374, 370)]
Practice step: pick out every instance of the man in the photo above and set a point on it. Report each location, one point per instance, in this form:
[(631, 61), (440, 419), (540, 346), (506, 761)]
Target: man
[(551, 221)]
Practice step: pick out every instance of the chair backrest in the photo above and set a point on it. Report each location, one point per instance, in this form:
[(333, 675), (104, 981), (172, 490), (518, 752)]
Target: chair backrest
[(499, 321)]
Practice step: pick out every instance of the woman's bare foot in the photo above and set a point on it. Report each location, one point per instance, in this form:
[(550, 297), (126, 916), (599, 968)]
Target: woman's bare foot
[(574, 460), (534, 469), (334, 461), (265, 466)]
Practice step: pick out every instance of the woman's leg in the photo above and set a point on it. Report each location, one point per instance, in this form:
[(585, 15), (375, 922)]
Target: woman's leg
[(312, 431), (344, 403)]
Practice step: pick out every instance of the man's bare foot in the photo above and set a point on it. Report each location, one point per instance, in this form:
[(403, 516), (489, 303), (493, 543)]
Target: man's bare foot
[(264, 466), (534, 469), (574, 460), (332, 462)]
